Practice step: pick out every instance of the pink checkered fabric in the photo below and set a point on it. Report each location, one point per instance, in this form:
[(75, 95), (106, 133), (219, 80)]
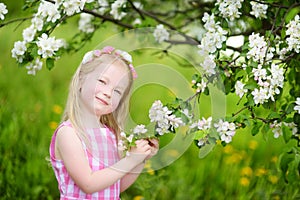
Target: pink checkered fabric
[(105, 154)]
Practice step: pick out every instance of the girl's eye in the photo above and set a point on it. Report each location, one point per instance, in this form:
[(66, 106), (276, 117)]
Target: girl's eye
[(102, 81), (118, 92)]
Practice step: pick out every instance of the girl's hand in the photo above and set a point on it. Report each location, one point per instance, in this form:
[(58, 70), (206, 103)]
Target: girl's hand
[(141, 151), (154, 147)]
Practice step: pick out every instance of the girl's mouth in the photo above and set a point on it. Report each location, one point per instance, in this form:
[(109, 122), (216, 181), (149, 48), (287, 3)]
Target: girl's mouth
[(102, 101)]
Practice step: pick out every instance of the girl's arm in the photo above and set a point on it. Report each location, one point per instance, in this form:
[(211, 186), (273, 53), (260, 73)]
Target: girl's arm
[(69, 149), (131, 177)]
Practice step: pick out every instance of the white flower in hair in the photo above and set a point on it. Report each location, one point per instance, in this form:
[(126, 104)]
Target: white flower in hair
[(126, 56), (87, 57)]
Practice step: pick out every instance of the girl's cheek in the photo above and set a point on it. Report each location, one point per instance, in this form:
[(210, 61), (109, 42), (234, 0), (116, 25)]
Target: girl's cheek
[(115, 102)]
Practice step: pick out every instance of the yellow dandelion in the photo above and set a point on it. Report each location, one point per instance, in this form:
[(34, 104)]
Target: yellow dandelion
[(273, 179), (172, 152), (139, 197), (244, 181), (53, 125), (246, 171), (274, 159), (253, 144), (150, 171), (276, 197), (219, 142), (57, 109), (228, 149), (234, 158), (260, 172)]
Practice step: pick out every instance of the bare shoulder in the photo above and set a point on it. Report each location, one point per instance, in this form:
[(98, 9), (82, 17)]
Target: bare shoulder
[(66, 141)]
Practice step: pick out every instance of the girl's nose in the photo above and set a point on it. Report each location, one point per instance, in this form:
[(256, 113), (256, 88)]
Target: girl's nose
[(107, 91)]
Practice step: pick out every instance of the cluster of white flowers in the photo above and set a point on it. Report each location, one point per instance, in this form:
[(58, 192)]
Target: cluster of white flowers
[(277, 128), (71, 7), (34, 66), (297, 106), (85, 24), (115, 7), (47, 46), (48, 11), (203, 124), (200, 85), (19, 50), (226, 130), (259, 10), (103, 6), (229, 9), (160, 33), (212, 40), (293, 31), (3, 11), (163, 117), (268, 84), (239, 89), (258, 49), (140, 129)]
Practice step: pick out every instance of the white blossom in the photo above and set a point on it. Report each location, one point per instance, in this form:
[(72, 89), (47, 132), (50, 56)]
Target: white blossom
[(260, 95), (48, 45), (115, 7), (229, 9), (175, 121), (259, 10), (19, 50), (293, 31), (140, 129), (3, 11), (160, 33), (297, 106), (226, 130), (35, 66), (103, 6), (85, 24), (163, 117), (203, 124), (259, 50), (201, 86), (37, 22), (276, 129), (215, 35), (209, 65), (239, 89), (48, 11), (259, 73), (71, 7), (29, 33)]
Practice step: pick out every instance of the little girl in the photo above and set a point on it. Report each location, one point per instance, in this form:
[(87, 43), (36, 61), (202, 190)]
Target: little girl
[(83, 149)]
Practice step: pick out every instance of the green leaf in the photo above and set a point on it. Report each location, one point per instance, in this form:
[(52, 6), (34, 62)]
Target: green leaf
[(265, 129), (200, 134), (50, 63), (256, 127), (203, 151), (250, 85), (290, 108), (287, 134), (284, 161), (273, 115)]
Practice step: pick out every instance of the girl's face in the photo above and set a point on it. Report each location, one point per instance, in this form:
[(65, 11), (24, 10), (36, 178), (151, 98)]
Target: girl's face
[(103, 88)]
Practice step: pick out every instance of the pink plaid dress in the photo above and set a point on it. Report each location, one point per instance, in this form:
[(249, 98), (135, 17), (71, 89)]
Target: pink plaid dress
[(105, 154)]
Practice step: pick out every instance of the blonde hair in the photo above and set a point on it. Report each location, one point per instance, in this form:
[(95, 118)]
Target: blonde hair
[(115, 120)]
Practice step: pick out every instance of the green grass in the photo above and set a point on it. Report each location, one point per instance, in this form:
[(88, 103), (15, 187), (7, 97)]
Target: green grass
[(30, 109)]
